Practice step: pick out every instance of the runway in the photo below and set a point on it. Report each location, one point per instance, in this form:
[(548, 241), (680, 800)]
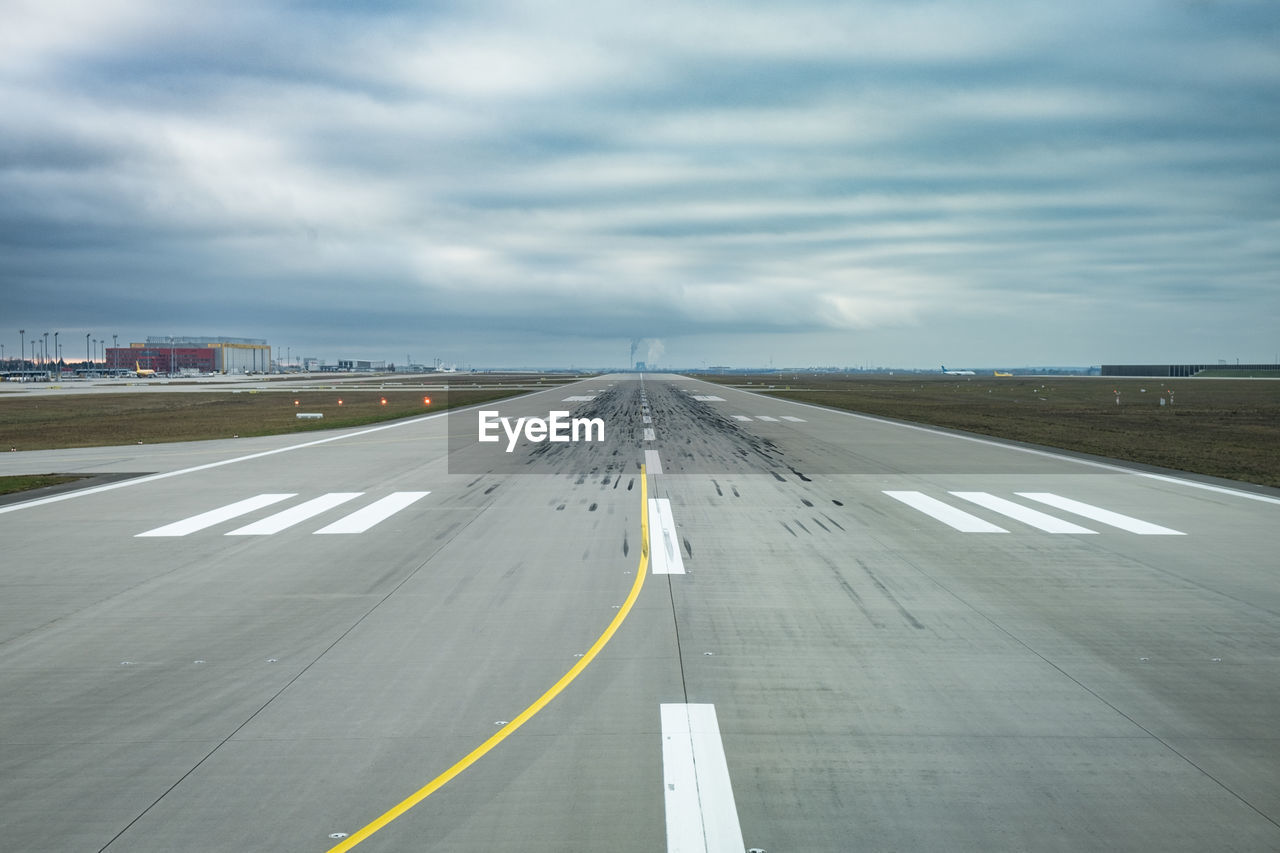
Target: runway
[(796, 629)]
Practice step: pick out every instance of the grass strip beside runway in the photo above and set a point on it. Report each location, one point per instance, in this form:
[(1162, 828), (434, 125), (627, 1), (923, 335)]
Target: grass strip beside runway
[(99, 420), (1219, 427), (26, 482)]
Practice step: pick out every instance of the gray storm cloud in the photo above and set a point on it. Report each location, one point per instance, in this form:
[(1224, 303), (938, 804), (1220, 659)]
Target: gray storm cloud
[(906, 183)]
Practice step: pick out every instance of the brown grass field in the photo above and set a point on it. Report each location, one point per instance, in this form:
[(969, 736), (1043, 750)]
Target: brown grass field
[(1221, 427), (93, 420)]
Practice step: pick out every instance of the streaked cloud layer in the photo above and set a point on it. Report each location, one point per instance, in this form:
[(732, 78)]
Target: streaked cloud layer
[(537, 183)]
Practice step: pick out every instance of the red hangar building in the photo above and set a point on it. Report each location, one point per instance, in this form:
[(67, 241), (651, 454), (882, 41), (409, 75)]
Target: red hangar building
[(166, 355)]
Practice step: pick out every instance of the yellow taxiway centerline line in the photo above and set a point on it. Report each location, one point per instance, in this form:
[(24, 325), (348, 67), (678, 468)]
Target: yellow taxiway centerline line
[(528, 713)]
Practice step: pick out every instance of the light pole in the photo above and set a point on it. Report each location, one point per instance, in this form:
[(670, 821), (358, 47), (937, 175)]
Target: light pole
[(56, 355), (86, 353), (45, 350), (22, 351)]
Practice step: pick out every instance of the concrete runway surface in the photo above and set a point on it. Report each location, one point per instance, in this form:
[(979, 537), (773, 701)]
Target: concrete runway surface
[(864, 636)]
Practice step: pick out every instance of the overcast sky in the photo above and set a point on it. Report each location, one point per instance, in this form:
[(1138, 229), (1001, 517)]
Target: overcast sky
[(504, 183)]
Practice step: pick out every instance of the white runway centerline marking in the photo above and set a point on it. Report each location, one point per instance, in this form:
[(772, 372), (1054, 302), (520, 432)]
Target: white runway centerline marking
[(1026, 515), (289, 517), (793, 419), (664, 542), (742, 418), (701, 813), (217, 516), (380, 510), (579, 398), (652, 462), (708, 399), (649, 434), (1103, 516), (766, 418), (948, 515)]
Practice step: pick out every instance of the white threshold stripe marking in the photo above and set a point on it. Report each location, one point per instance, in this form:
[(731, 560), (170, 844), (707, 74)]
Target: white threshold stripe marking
[(948, 515), (793, 419), (741, 418), (1103, 516), (766, 418), (664, 544), (698, 794), (649, 434), (579, 398), (293, 515), (216, 516), (380, 510), (652, 462), (1026, 515), (705, 398)]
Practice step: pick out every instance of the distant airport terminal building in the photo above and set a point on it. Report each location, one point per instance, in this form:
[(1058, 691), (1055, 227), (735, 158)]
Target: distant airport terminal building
[(187, 355), (1180, 369)]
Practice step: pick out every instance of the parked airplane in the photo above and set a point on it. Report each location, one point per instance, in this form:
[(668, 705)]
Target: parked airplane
[(142, 371), (998, 373), (956, 372)]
